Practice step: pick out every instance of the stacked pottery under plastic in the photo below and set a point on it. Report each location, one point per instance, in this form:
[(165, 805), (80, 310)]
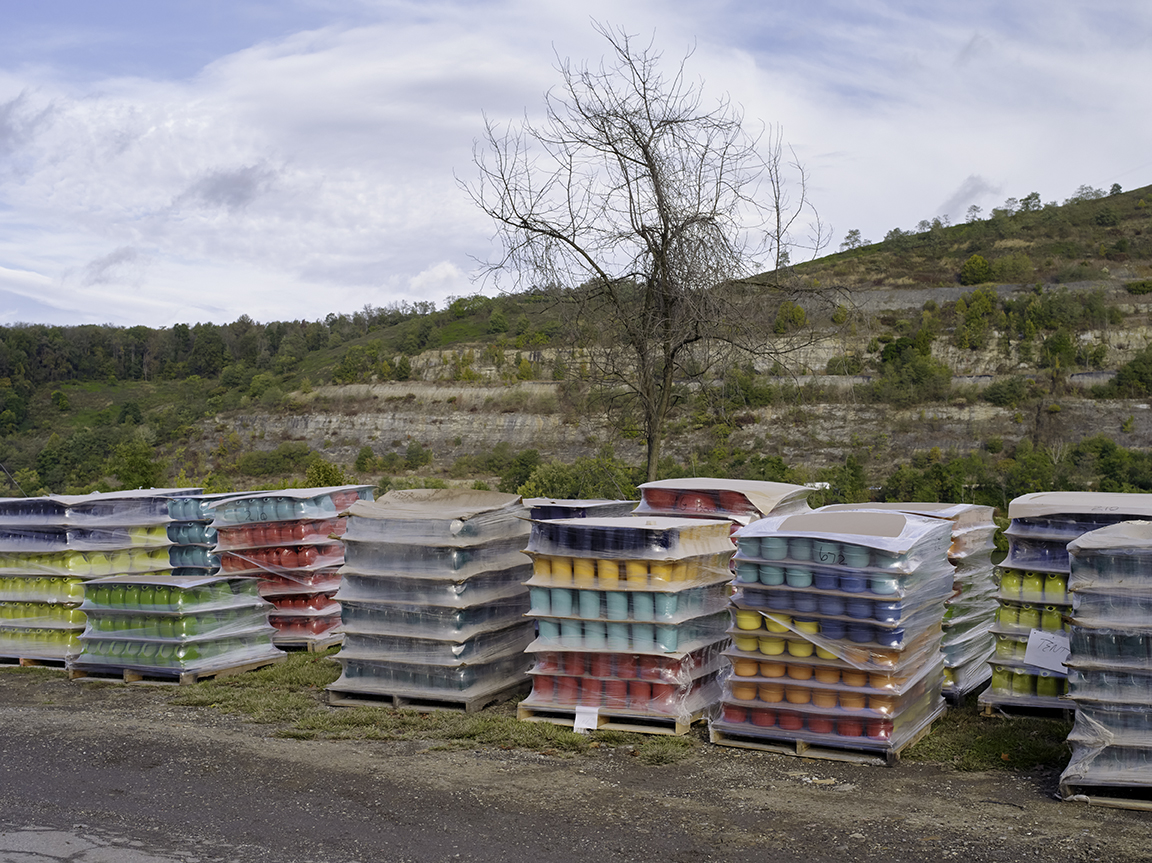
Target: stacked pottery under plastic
[(540, 508), (50, 546), (433, 597), (837, 630), (172, 625), (631, 615), (290, 540), (1033, 586), (1110, 664), (970, 612), (739, 501)]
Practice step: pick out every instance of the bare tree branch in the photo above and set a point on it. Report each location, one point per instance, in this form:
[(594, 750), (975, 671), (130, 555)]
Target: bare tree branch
[(641, 208)]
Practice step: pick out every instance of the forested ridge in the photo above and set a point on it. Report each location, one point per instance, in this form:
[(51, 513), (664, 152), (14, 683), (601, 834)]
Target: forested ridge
[(99, 406)]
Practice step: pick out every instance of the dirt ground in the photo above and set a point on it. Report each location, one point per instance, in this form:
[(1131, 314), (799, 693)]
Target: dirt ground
[(193, 784)]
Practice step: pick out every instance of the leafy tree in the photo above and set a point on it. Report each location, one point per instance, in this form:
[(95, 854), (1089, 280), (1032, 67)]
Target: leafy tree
[(517, 471), (60, 401), (853, 240), (365, 460), (976, 271), (1006, 392), (321, 473), (134, 464), (602, 476), (637, 196)]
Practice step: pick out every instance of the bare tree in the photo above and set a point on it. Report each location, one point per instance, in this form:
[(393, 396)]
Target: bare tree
[(641, 207)]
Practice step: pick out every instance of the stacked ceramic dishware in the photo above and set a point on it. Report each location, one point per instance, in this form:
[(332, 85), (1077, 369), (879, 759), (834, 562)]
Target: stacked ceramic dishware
[(547, 508), (632, 620), (290, 540), (1033, 587), (49, 546), (433, 599), (971, 611), (739, 501), (837, 631), (1109, 665), (183, 626)]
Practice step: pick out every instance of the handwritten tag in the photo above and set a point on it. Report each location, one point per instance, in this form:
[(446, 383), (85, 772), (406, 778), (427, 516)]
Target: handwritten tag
[(1047, 650), (587, 719)]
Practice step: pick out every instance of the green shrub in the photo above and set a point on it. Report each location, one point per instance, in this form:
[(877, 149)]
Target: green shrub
[(845, 364), (976, 271), (1006, 393), (1138, 288)]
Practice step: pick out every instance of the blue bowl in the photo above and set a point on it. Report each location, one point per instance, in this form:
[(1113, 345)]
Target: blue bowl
[(832, 605), (833, 629), (861, 609), (861, 633), (780, 600), (805, 602), (825, 580), (853, 583)]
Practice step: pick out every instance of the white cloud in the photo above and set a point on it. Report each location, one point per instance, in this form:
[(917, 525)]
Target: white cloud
[(312, 172)]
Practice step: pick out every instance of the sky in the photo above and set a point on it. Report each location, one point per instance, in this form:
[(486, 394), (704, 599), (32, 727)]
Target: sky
[(197, 160)]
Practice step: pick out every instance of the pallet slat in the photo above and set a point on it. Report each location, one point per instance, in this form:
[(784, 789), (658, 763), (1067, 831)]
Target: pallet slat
[(823, 751), (647, 724), (1108, 796), (31, 662), (176, 678), (312, 645), (424, 700), (1040, 708)]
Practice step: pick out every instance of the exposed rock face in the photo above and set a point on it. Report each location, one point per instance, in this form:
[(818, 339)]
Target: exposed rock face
[(389, 417)]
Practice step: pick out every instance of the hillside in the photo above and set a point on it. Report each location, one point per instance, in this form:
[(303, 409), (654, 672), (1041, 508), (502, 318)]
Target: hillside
[(1027, 329)]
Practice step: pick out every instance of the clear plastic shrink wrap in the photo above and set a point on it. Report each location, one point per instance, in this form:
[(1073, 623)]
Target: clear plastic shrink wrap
[(433, 595), (50, 546), (174, 624), (1034, 587), (859, 664), (740, 501), (290, 540), (1110, 660), (632, 615)]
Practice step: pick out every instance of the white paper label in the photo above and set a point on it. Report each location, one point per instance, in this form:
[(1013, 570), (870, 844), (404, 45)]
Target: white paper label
[(1047, 650), (587, 719)]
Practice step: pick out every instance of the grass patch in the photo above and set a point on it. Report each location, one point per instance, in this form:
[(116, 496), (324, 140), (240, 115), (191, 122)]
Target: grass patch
[(42, 672), (967, 741), (291, 694), (285, 692), (665, 749)]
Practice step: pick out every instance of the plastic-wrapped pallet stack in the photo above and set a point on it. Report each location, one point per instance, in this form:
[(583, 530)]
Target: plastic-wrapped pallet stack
[(50, 546), (969, 614), (837, 641), (290, 540), (40, 616), (174, 626), (433, 599), (1109, 670), (1033, 590), (739, 501), (547, 508), (632, 619)]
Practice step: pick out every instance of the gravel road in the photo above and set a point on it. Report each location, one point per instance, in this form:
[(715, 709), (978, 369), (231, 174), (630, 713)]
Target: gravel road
[(93, 773)]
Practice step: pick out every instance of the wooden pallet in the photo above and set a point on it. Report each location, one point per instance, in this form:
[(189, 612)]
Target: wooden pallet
[(423, 700), (606, 721), (312, 645), (31, 662), (824, 751), (1046, 708), (1138, 797), (158, 678)]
